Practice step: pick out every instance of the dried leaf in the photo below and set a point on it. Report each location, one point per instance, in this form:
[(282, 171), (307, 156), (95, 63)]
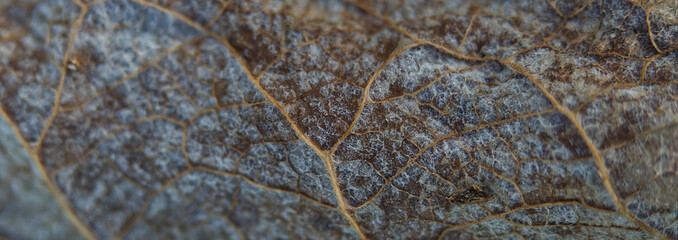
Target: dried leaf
[(376, 119)]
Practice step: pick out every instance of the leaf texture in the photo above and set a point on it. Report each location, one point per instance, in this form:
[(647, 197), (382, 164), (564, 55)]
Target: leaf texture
[(329, 119)]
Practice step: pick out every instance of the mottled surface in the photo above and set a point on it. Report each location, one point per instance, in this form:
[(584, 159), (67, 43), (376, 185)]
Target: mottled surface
[(330, 119)]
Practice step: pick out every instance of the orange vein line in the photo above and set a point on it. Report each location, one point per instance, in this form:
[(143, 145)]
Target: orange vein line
[(640, 135), (250, 181), (144, 66), (366, 93), (602, 169), (214, 214), (649, 30), (468, 28), (142, 210), (555, 8), (382, 18), (580, 9), (413, 160), (415, 38), (326, 158), (62, 78), (33, 152), (501, 215)]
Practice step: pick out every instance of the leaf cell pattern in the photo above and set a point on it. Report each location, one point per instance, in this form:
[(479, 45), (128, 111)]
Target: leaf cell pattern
[(330, 119)]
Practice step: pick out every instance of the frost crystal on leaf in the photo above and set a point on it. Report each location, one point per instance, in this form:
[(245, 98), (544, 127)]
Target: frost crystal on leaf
[(331, 119)]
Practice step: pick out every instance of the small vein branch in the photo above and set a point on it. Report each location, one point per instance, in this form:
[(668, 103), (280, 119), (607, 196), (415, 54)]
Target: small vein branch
[(602, 169)]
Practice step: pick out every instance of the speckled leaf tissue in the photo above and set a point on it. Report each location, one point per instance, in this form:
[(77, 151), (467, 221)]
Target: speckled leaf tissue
[(330, 119)]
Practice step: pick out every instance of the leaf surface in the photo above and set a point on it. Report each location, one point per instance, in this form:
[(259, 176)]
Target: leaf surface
[(349, 119)]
